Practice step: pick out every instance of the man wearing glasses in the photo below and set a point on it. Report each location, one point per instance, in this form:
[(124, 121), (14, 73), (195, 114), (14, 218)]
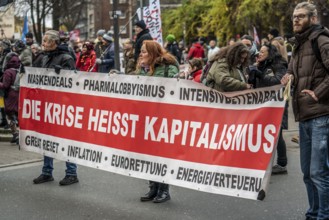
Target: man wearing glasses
[(310, 79)]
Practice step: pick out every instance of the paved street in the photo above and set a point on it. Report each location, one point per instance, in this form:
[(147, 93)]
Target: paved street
[(103, 195)]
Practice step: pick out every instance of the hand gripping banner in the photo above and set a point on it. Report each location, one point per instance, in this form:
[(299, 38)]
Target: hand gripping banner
[(167, 130)]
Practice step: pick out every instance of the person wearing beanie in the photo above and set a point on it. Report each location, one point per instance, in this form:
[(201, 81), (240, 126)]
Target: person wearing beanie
[(99, 47), (142, 33), (172, 46), (273, 33), (141, 24), (24, 52), (106, 60), (278, 42), (29, 39)]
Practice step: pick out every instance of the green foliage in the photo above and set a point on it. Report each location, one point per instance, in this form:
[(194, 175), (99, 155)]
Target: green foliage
[(225, 19)]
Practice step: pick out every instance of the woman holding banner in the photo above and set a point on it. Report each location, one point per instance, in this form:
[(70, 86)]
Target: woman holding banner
[(156, 61), (270, 68)]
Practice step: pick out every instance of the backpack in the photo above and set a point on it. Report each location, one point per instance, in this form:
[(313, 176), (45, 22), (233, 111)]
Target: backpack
[(16, 83), (316, 49), (205, 72)]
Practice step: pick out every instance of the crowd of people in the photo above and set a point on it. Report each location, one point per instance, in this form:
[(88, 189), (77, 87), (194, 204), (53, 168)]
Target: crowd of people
[(239, 65)]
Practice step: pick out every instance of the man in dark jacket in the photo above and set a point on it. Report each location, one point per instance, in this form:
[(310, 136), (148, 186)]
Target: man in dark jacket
[(56, 56), (142, 33), (311, 106), (106, 60), (172, 46)]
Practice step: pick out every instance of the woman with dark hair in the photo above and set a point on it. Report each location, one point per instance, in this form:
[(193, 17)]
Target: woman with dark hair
[(154, 60), (269, 70), (87, 59), (226, 73)]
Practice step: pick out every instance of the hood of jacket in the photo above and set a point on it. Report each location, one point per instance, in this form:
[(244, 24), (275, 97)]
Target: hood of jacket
[(11, 61)]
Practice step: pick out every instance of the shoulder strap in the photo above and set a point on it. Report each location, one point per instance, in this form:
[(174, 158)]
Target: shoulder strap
[(166, 71), (316, 51)]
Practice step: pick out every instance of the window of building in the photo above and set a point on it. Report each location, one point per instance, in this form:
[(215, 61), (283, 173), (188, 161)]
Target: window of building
[(122, 15), (91, 19), (120, 1)]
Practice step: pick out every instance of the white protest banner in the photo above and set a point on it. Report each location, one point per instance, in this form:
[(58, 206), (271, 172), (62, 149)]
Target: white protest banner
[(152, 18), (166, 130)]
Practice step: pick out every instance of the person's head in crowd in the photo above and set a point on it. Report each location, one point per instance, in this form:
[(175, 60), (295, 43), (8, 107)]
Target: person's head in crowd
[(231, 41), (273, 33), (18, 46), (76, 49), (212, 44), (29, 38), (36, 49), (264, 41), (87, 47), (195, 64), (140, 26), (268, 52), (247, 40), (128, 44), (153, 53), (170, 38), (100, 34), (64, 37), (305, 15), (5, 46), (236, 55), (107, 39), (50, 40)]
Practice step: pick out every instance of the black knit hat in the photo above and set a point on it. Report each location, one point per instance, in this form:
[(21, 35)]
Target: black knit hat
[(274, 32), (29, 35), (141, 24)]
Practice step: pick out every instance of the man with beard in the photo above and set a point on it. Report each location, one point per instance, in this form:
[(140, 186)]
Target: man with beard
[(29, 39), (310, 80), (56, 56)]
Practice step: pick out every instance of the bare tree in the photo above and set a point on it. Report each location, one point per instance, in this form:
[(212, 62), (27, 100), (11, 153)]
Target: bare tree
[(68, 13)]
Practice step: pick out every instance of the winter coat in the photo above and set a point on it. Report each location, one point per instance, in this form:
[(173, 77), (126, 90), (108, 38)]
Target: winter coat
[(26, 56), (107, 59), (310, 74), (129, 62), (196, 51), (143, 35), (221, 78), (197, 75), (11, 65), (160, 69), (37, 59), (173, 49), (87, 62), (60, 56), (99, 49), (272, 73)]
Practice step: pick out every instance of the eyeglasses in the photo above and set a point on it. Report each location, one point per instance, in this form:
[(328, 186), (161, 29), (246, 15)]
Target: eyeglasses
[(298, 17)]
